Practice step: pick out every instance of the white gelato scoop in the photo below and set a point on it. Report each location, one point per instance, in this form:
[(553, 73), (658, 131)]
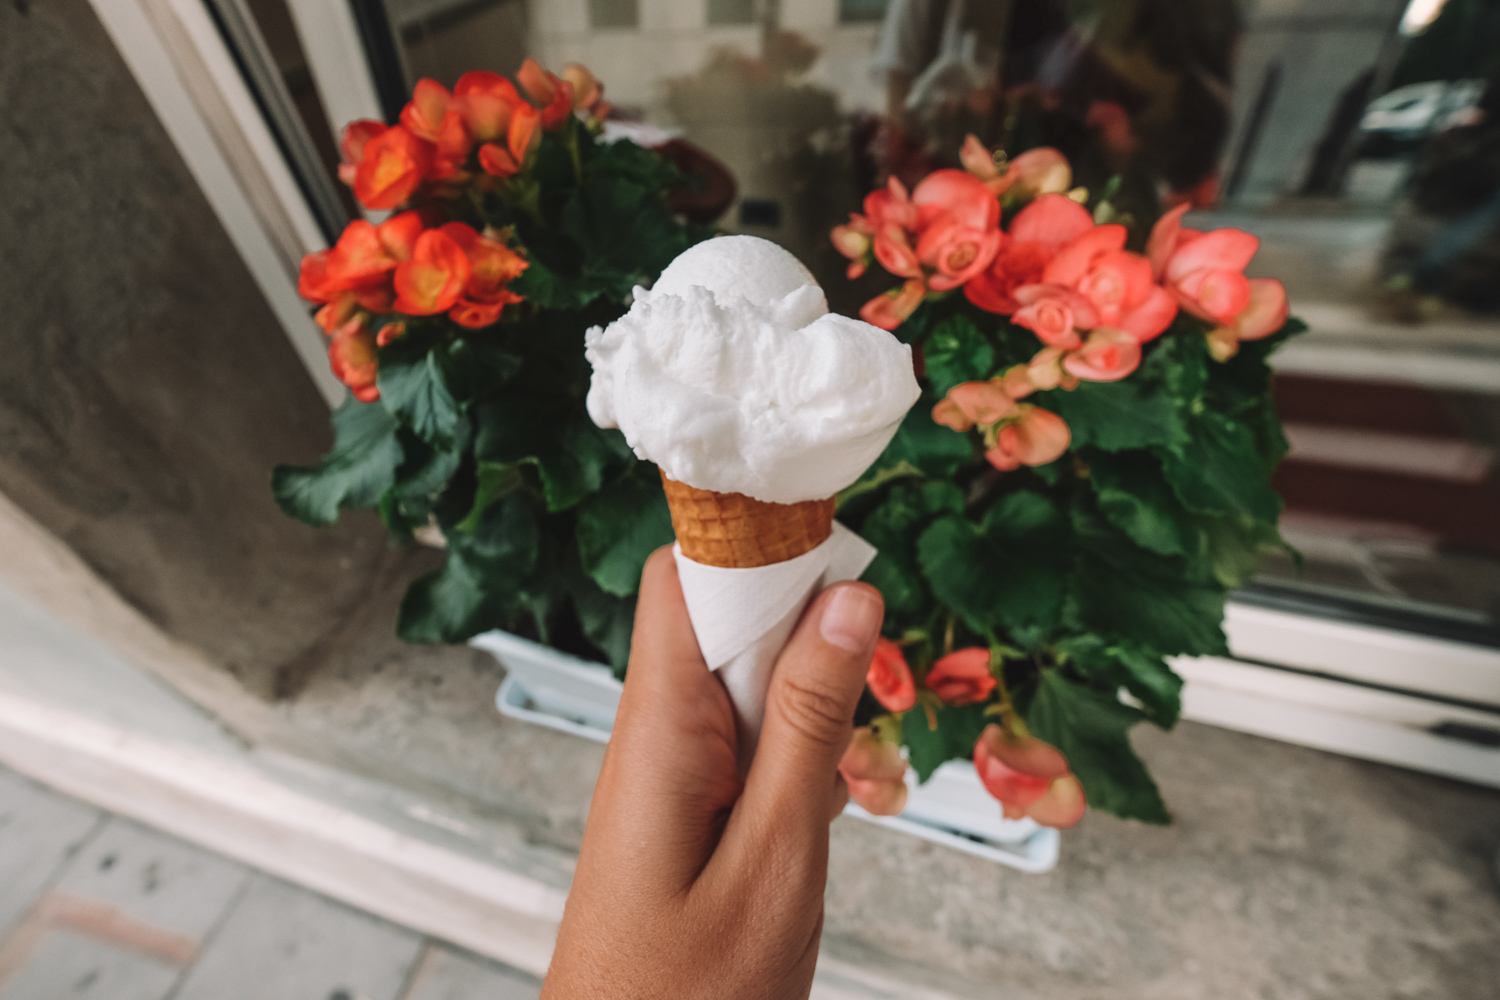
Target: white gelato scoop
[(732, 376)]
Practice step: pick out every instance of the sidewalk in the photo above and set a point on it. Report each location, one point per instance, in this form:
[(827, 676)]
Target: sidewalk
[(95, 906)]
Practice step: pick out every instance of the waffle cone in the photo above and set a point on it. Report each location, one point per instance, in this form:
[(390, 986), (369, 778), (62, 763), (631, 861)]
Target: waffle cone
[(733, 530)]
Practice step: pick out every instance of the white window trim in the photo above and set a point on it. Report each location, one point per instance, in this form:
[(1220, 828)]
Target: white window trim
[(181, 64)]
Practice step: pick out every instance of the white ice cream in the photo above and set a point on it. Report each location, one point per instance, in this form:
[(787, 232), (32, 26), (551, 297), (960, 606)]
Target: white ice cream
[(732, 376)]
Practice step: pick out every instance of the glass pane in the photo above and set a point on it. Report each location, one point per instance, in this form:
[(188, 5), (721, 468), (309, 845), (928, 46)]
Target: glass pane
[(731, 11), (1359, 141)]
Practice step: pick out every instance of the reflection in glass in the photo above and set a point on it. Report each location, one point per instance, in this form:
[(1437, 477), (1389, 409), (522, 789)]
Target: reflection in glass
[(1360, 141)]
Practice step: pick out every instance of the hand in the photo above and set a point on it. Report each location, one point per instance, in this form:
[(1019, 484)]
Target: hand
[(691, 882)]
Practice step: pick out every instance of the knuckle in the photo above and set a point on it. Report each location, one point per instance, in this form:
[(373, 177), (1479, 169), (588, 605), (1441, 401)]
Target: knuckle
[(814, 711)]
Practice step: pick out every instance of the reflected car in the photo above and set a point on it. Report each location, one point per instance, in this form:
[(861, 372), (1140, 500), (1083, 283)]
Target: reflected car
[(1397, 122)]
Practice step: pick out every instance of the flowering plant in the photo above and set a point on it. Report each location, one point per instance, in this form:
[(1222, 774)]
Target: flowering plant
[(1087, 476), (457, 324)]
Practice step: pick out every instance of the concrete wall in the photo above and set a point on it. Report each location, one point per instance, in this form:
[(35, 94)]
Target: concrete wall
[(146, 389)]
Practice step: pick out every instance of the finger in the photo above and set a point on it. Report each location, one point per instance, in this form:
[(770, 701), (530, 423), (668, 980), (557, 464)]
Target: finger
[(809, 708), (670, 772), (673, 709), (840, 797), (665, 662)]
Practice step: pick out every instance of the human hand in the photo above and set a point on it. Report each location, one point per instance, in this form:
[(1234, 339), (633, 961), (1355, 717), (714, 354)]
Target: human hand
[(693, 882)]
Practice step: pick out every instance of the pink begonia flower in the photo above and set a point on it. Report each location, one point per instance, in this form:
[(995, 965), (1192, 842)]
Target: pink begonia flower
[(890, 206), (1035, 437), (889, 310), (853, 241), (955, 252), (971, 404), (895, 252), (1108, 355), (1045, 370), (1038, 171), (889, 677), (1055, 313), (875, 772), (1263, 315), (1119, 283), (1029, 777), (1036, 234), (962, 677), (958, 196), (978, 160), (1203, 271)]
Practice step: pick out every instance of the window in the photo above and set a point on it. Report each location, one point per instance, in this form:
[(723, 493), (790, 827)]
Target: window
[(614, 13), (855, 11), (732, 11)]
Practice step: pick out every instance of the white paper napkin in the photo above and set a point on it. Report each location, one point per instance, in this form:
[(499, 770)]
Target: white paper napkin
[(743, 617)]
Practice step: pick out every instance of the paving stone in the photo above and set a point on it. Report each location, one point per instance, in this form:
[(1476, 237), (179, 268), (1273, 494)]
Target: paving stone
[(39, 832), (446, 974), (67, 965), (153, 879), (283, 943)]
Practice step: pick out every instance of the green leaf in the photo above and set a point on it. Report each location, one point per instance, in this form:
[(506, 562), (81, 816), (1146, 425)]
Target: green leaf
[(1146, 676), (892, 528), (958, 727), (926, 744), (956, 351), (496, 479), (453, 603), (1010, 574), (574, 465), (355, 473), (479, 585), (1092, 731), (1237, 545), (621, 526), (1117, 416), (934, 449), (414, 388), (571, 455), (1218, 471), (1135, 498), (606, 620), (426, 471), (1178, 362), (1163, 604)]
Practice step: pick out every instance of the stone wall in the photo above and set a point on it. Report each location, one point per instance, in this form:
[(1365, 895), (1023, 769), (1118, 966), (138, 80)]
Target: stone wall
[(146, 389)]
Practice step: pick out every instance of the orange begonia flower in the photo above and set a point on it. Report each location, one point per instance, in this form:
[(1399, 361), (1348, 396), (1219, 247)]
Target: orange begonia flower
[(432, 114), (391, 166), (486, 102), (553, 94), (434, 278), (313, 281), (521, 136), (351, 355), (352, 145), (587, 90), (492, 265)]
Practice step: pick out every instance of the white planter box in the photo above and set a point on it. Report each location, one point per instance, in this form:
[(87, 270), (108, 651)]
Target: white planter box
[(575, 696)]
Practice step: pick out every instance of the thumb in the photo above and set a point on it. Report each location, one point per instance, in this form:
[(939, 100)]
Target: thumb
[(810, 704)]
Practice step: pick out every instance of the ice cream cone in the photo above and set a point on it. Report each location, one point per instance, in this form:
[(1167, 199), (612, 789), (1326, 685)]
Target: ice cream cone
[(740, 532)]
